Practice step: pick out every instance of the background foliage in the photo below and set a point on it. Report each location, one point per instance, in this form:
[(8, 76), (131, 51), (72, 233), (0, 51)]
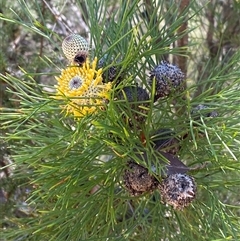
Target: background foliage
[(50, 163)]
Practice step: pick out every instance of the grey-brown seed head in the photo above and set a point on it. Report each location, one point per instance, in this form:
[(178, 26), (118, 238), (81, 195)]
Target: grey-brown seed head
[(75, 48), (137, 180), (137, 98), (111, 72), (178, 190), (168, 77)]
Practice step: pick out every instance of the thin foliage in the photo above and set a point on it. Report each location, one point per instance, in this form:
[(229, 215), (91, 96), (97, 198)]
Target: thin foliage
[(73, 168)]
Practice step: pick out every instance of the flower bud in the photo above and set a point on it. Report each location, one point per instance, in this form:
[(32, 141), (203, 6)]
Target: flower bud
[(75, 48)]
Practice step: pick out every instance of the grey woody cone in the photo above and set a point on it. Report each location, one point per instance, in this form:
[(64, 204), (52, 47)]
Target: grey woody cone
[(168, 77), (75, 48), (109, 74), (136, 97), (178, 190), (137, 180)]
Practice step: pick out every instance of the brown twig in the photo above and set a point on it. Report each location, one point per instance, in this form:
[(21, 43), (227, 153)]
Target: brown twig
[(212, 46), (182, 42)]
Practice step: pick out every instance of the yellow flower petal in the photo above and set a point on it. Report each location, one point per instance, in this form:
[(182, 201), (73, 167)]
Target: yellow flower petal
[(82, 88)]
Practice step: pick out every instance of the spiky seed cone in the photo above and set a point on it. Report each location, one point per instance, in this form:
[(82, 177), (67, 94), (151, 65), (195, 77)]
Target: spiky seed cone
[(109, 74), (168, 77), (178, 190), (75, 48), (137, 180), (134, 93), (136, 97)]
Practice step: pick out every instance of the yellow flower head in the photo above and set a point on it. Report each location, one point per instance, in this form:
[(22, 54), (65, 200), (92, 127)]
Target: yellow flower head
[(82, 88)]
